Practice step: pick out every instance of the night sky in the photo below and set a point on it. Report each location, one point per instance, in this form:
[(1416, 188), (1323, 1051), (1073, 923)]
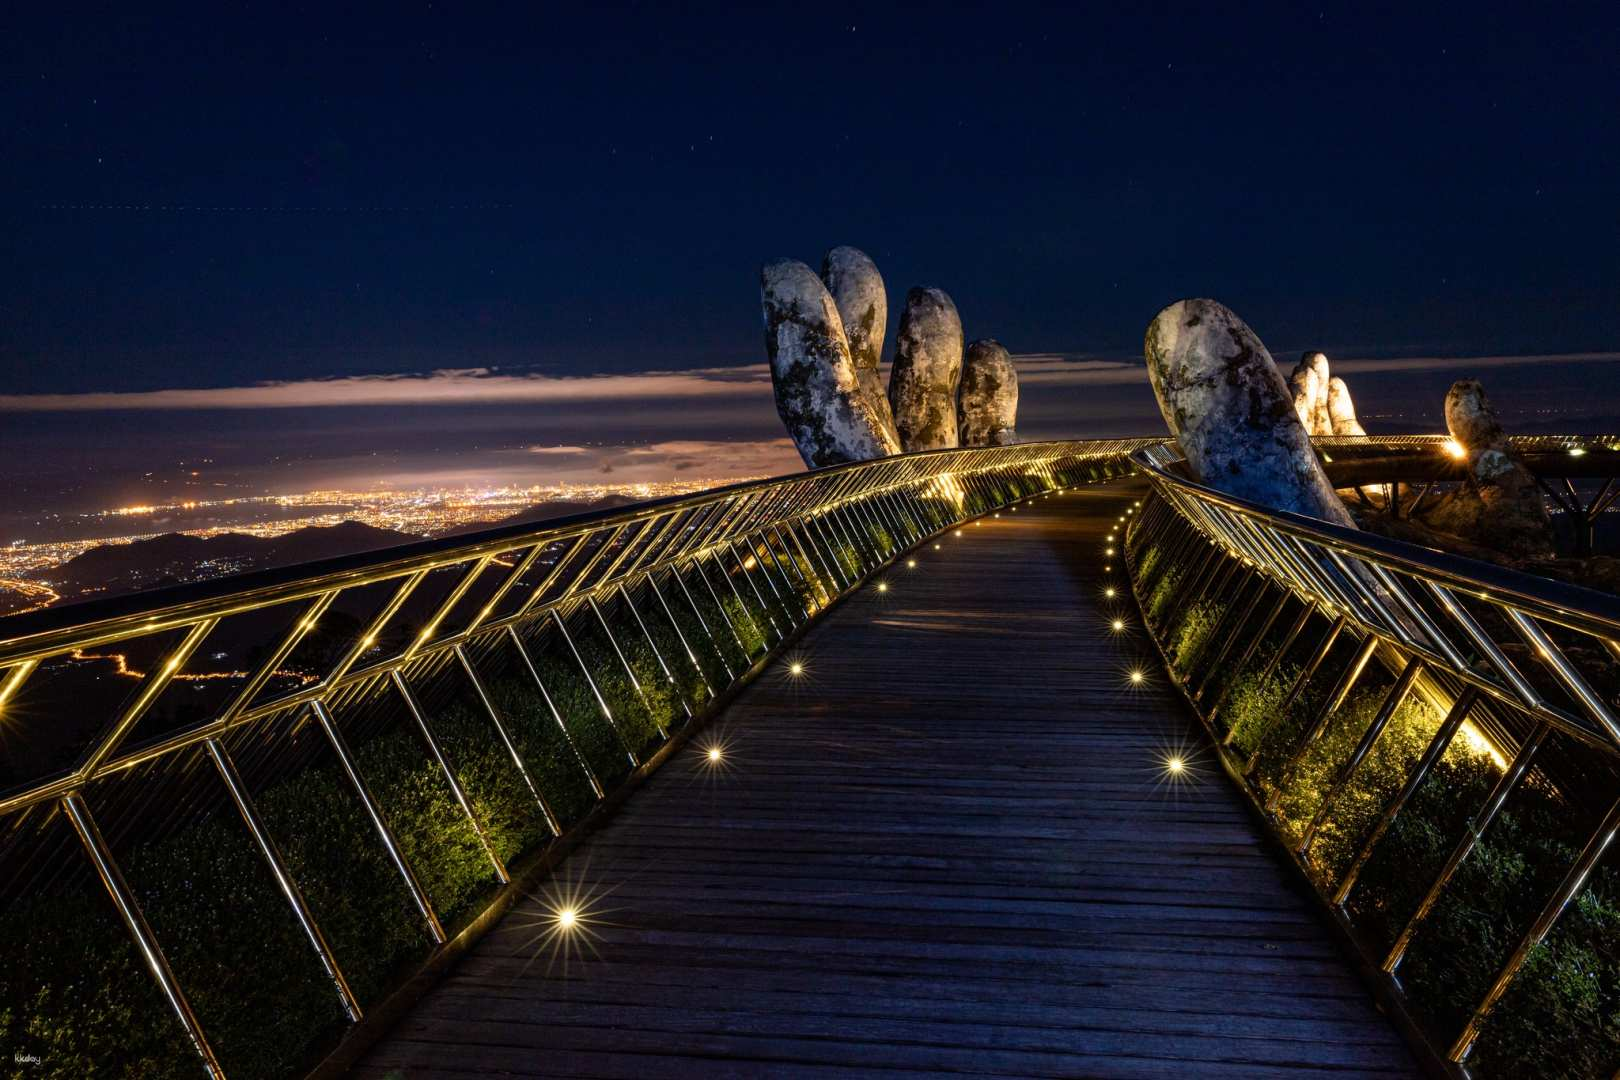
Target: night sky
[(246, 193)]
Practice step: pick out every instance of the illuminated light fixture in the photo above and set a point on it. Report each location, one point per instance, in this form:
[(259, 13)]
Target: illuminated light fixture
[(1108, 551), (714, 755), (1109, 593), (1454, 448), (795, 669), (1174, 765), (958, 532), (998, 515), (911, 564), (1136, 678), (567, 919), (1577, 451), (883, 586), (1118, 625), (1107, 569), (936, 547)]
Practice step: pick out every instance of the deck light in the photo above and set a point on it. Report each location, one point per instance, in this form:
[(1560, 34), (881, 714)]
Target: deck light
[(911, 564), (1118, 625), (1174, 765), (936, 547), (883, 586), (1109, 592), (714, 754), (1108, 568), (1108, 551), (1136, 678), (795, 669), (567, 919)]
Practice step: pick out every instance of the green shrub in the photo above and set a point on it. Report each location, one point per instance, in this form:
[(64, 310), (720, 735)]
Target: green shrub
[(552, 763), (1252, 705), (1192, 636)]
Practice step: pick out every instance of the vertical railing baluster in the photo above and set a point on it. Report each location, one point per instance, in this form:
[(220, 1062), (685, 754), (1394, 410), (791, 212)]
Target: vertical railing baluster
[(112, 878), (1567, 889), (1436, 748), (494, 716), (551, 707), (561, 624), (456, 792), (641, 691), (379, 822), (1386, 712), (1476, 829), (658, 654), (278, 869)]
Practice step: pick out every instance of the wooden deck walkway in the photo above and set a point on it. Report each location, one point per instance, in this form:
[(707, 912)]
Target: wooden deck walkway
[(950, 847)]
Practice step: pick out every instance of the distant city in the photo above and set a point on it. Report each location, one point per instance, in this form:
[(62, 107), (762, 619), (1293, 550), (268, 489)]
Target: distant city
[(33, 573)]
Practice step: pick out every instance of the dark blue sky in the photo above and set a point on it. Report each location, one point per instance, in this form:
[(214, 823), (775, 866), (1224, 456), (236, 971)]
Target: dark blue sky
[(433, 186)]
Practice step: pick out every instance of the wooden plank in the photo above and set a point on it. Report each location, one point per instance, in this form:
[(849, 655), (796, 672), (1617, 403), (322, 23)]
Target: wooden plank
[(950, 848)]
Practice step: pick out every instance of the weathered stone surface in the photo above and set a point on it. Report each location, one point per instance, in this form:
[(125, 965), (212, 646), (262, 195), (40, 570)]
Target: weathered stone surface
[(857, 288), (1341, 409), (817, 393), (1501, 506), (987, 404), (1309, 384), (1223, 397), (927, 369)]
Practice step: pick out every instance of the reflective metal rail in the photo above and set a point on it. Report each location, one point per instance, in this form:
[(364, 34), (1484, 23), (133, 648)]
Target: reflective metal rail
[(1526, 668), (136, 718)]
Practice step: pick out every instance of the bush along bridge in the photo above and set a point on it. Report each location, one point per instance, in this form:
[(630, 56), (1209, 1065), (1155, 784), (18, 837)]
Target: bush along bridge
[(863, 768)]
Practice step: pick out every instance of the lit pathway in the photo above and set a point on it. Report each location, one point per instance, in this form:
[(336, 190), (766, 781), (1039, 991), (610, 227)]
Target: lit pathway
[(948, 848)]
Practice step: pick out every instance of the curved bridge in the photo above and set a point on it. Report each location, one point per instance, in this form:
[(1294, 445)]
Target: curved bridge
[(915, 788), (954, 843)]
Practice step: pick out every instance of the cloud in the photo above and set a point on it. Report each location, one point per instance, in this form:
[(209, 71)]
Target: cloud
[(716, 385), (446, 386)]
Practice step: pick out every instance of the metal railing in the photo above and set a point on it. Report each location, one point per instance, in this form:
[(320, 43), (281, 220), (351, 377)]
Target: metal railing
[(124, 710), (1517, 662)]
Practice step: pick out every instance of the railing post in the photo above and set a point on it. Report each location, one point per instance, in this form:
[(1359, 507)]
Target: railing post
[(551, 707), (1341, 691), (561, 624), (1436, 748), (1228, 635), (1476, 829), (456, 791), (1306, 673), (1596, 845), (278, 869), (112, 878), (1386, 711), (742, 570), (675, 572), (680, 635), (494, 715), (379, 822), (658, 654), (629, 673)]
